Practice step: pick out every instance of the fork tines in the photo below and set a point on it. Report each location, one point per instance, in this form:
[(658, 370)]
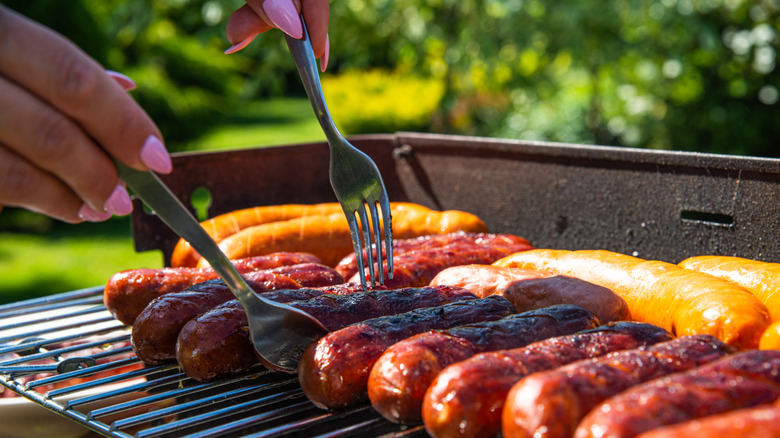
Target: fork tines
[(373, 248)]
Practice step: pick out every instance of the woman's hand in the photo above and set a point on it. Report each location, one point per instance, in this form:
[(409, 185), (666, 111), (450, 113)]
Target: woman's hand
[(63, 120), (258, 16)]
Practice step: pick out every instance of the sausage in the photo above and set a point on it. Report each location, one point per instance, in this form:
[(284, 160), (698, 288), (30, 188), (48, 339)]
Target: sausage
[(683, 301), (553, 402), (528, 289), (760, 421), (333, 371), (742, 380), (770, 340), (762, 279), (402, 374), (127, 293), (418, 266), (466, 398), (328, 236), (217, 342), (156, 329), (224, 225)]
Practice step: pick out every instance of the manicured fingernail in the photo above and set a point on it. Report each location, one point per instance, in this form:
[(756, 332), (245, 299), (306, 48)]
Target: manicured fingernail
[(119, 202), (123, 80), (88, 214), (324, 59), (155, 157), (284, 16), (240, 45)]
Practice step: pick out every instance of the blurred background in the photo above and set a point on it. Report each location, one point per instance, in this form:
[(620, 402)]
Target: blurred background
[(689, 75)]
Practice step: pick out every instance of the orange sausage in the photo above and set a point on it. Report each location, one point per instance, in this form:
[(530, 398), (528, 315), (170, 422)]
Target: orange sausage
[(762, 279), (682, 301), (770, 340), (527, 289), (224, 225), (328, 237)]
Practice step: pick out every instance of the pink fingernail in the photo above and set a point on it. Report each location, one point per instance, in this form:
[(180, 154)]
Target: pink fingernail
[(88, 214), (240, 45), (324, 59), (155, 156), (119, 202), (123, 80), (284, 16)]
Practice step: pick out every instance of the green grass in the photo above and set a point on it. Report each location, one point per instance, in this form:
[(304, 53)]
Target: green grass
[(41, 257)]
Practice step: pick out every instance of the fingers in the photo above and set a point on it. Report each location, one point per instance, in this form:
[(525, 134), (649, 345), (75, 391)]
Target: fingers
[(79, 88), (258, 16)]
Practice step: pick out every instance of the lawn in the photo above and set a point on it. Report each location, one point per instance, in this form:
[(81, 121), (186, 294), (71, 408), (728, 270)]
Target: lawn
[(41, 257)]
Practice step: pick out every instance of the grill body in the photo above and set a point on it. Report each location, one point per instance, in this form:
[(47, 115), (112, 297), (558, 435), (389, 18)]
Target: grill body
[(67, 354)]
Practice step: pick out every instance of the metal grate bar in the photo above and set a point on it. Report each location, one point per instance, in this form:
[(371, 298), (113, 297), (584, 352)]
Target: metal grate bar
[(216, 414), (88, 372), (63, 327), (48, 302), (60, 351), (38, 342), (254, 420), (29, 321)]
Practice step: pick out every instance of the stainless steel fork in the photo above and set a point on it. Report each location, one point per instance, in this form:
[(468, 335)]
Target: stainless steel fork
[(353, 175)]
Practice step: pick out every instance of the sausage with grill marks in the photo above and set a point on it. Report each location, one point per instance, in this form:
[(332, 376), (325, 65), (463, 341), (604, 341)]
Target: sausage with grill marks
[(417, 261), (553, 402), (156, 329), (466, 398), (402, 374), (334, 370), (742, 380), (217, 342), (127, 293)]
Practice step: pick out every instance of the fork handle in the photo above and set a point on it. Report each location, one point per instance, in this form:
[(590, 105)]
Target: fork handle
[(303, 54)]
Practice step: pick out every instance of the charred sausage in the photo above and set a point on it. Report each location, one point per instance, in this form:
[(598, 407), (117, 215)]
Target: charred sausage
[(402, 374), (742, 380), (529, 289), (157, 327), (553, 402), (127, 293), (334, 370), (217, 342), (466, 398), (428, 255)]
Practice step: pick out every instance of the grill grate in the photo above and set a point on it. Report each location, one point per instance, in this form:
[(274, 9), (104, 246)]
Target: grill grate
[(67, 354)]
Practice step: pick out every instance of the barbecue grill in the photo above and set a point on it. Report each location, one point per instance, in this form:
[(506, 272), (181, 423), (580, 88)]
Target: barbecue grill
[(67, 354)]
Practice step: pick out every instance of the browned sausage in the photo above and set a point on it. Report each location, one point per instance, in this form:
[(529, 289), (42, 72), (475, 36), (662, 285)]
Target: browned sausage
[(553, 402), (419, 264), (156, 329), (466, 398), (217, 342), (334, 370), (402, 374), (530, 289), (761, 421), (742, 380), (127, 293)]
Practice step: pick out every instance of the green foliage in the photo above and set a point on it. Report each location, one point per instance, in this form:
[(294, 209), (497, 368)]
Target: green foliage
[(363, 102)]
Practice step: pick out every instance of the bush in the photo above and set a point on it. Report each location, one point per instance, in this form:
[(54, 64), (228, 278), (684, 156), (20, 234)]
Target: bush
[(377, 101)]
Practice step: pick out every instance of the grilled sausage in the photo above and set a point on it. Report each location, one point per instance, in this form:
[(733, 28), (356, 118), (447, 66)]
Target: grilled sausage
[(328, 236), (528, 289), (156, 329), (418, 265), (217, 342), (466, 398), (680, 300), (400, 377), (553, 402), (334, 370), (770, 340), (742, 380), (762, 279), (761, 421), (127, 293)]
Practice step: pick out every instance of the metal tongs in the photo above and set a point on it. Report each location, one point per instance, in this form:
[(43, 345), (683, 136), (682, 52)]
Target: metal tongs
[(279, 332), (353, 175)]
